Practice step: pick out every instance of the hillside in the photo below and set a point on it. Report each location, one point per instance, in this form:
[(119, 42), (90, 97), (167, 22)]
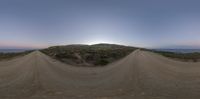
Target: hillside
[(89, 55)]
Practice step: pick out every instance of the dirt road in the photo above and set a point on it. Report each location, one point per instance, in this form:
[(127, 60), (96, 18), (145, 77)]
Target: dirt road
[(140, 75)]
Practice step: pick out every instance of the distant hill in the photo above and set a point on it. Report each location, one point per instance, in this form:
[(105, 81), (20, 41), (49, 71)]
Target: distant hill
[(89, 55), (12, 50)]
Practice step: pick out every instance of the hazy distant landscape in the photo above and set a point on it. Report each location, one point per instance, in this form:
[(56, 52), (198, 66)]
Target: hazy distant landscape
[(179, 50), (10, 54), (13, 50)]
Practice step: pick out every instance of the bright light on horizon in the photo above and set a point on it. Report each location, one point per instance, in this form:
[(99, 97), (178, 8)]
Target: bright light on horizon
[(96, 42), (92, 42)]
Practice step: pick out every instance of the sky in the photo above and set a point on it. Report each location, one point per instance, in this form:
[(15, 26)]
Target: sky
[(140, 23)]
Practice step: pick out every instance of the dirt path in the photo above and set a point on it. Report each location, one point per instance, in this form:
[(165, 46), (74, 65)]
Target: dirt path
[(140, 75)]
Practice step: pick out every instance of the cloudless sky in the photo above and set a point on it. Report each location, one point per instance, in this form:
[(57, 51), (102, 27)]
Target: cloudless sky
[(142, 23)]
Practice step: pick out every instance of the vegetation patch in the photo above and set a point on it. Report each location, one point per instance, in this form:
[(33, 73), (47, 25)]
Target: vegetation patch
[(89, 55)]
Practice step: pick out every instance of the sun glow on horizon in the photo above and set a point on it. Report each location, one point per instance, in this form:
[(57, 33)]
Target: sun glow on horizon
[(100, 41)]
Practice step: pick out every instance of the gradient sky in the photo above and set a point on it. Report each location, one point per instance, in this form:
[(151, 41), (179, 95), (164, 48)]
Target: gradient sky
[(142, 23)]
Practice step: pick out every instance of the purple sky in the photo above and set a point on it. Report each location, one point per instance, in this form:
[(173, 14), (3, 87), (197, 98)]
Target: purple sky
[(143, 23)]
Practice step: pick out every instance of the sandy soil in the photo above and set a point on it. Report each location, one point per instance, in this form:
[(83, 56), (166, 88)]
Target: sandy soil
[(140, 75)]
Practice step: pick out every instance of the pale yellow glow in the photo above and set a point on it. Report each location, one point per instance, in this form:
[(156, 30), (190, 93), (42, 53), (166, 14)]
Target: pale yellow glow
[(99, 41)]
